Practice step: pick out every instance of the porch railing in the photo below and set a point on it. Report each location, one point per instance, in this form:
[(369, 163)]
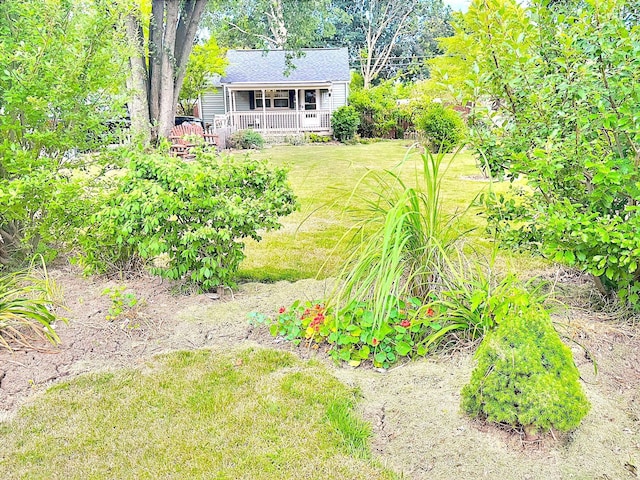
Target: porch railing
[(270, 121)]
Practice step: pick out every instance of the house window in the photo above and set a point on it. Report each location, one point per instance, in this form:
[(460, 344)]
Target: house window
[(310, 102), (277, 98), (281, 99), (259, 99)]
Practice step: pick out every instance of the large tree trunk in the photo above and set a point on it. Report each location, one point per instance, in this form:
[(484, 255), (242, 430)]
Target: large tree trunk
[(156, 34), (172, 30), (184, 42), (137, 85), (167, 78)]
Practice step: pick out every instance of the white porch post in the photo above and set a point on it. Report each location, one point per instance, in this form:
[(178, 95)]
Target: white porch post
[(297, 110), (264, 111), (224, 99), (330, 106), (232, 110)]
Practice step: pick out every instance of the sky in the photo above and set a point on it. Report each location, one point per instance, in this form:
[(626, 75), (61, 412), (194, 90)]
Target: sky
[(458, 4)]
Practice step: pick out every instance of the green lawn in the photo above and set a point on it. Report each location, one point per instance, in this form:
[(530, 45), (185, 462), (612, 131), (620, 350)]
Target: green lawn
[(253, 414), (323, 177)]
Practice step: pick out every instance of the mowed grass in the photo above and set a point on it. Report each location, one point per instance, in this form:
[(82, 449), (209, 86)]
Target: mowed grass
[(324, 178), (253, 414)]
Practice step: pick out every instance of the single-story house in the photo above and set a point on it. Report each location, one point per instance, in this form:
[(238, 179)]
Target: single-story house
[(258, 91)]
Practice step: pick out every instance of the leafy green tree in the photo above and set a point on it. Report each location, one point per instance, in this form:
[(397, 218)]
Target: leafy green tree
[(206, 60), (269, 24), (61, 79), (378, 108), (345, 121), (442, 127), (563, 96), (387, 38)]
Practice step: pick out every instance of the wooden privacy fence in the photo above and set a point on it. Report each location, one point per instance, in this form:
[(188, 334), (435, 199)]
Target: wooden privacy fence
[(181, 145)]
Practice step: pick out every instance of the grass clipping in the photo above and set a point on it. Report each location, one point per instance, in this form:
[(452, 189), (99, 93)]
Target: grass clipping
[(526, 376)]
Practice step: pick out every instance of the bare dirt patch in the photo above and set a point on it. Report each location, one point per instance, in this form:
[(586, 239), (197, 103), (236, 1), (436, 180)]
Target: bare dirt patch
[(414, 408)]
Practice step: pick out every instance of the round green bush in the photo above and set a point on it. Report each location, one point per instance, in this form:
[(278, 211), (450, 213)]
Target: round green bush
[(246, 139), (442, 127), (526, 376), (345, 121)]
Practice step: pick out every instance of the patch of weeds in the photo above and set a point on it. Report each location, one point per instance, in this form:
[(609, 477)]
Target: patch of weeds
[(317, 138), (124, 305)]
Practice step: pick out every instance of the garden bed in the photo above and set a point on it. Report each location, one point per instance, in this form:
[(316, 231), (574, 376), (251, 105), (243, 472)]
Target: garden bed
[(413, 408)]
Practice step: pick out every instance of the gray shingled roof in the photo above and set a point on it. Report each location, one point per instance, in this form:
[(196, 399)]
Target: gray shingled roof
[(260, 66)]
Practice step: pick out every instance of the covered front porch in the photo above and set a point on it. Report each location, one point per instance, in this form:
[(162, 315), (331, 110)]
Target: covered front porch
[(274, 109)]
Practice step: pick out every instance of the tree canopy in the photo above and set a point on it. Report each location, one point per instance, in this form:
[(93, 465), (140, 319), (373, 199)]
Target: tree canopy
[(273, 24), (556, 92), (387, 38)]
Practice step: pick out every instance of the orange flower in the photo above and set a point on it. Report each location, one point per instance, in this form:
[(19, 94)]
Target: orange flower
[(430, 312), (375, 342)]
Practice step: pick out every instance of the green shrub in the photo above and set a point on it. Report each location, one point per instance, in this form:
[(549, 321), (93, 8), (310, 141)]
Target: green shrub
[(315, 138), (442, 127), (189, 217), (525, 375), (246, 139), (345, 121)]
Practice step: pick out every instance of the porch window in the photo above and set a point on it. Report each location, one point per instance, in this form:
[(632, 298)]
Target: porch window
[(259, 99), (310, 101), (281, 99), (275, 98)]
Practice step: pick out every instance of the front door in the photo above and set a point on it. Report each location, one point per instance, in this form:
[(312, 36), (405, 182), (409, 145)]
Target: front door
[(310, 119)]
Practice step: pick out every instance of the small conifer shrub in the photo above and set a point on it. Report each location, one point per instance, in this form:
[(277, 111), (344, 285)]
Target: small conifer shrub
[(525, 376)]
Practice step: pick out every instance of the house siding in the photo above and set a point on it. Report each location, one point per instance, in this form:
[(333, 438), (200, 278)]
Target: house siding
[(242, 101), (212, 104), (339, 95)]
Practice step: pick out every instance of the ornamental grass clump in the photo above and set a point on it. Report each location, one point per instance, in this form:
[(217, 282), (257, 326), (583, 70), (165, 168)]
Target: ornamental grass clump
[(525, 376), (27, 316)]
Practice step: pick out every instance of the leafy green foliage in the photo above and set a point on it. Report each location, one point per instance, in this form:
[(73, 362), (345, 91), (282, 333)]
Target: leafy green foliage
[(351, 332), (380, 115), (392, 39), (121, 302), (566, 120), (469, 302), (246, 139), (61, 78), (27, 301), (206, 60), (442, 127), (525, 375), (345, 121), (189, 217), (316, 138), (406, 286), (267, 24)]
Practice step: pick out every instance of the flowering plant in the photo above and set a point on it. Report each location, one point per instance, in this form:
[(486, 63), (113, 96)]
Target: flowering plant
[(352, 335)]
